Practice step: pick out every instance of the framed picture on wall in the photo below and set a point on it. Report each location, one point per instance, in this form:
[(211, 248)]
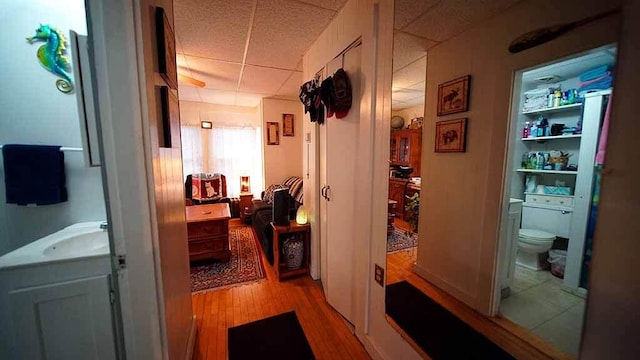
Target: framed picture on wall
[(451, 135), (273, 133), (166, 49), (453, 96), (287, 125)]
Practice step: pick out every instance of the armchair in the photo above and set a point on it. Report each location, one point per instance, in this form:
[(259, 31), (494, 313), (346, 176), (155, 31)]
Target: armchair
[(220, 190)]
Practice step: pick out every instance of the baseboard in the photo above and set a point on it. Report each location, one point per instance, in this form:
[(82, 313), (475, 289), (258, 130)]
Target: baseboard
[(446, 286), (191, 342), (372, 350)]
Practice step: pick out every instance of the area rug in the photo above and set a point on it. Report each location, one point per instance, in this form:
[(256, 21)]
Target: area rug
[(441, 334), (399, 240), (245, 264), (279, 336)]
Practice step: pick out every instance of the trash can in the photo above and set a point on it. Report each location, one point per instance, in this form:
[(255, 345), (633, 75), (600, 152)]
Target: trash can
[(557, 259)]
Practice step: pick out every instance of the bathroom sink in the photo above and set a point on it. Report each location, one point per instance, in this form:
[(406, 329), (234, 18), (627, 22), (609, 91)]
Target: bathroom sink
[(82, 244)]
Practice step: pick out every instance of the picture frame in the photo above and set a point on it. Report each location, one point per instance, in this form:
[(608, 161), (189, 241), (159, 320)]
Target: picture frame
[(169, 125), (166, 49), (453, 96), (273, 133), (287, 125), (451, 135)]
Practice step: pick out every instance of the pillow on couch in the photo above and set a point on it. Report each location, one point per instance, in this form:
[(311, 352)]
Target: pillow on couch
[(268, 193)]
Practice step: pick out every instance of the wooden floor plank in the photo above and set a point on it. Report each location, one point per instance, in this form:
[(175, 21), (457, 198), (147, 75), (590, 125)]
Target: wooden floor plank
[(219, 310)]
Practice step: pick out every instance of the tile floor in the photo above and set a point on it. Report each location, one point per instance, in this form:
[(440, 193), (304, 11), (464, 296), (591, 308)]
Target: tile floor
[(539, 304)]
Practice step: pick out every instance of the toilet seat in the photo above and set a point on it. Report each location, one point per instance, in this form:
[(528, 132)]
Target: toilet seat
[(532, 235)]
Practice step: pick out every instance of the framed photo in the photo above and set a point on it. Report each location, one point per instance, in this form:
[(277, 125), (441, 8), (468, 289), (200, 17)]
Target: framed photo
[(287, 125), (273, 133), (166, 49), (169, 126), (453, 96), (451, 135)]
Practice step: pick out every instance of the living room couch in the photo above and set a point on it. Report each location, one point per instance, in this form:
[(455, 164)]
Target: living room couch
[(262, 212)]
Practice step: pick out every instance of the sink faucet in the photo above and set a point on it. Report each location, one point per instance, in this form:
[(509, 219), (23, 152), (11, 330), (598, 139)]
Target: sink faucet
[(104, 226)]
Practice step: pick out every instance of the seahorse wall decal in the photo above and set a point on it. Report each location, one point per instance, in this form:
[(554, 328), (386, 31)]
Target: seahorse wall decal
[(51, 55)]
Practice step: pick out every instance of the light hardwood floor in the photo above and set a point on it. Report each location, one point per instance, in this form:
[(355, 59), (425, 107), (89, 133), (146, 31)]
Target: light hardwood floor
[(218, 310)]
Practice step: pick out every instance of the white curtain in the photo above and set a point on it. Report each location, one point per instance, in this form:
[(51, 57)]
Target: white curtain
[(230, 151)]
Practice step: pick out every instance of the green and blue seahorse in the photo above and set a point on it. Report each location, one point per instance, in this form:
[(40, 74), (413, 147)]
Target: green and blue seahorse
[(51, 55)]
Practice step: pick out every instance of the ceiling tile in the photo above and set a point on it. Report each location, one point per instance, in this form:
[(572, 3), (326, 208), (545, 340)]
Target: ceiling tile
[(419, 86), (415, 102), (405, 95), (262, 80), (247, 99), (326, 4), (221, 97), (398, 105), (407, 11), (215, 29), (407, 48), (188, 93), (283, 30), (451, 17), (291, 87), (410, 75), (219, 75)]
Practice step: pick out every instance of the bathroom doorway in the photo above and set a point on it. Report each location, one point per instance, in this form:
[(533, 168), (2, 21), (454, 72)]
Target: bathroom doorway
[(557, 142)]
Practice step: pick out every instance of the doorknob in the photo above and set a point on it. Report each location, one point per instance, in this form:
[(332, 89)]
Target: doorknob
[(323, 192), (327, 193)]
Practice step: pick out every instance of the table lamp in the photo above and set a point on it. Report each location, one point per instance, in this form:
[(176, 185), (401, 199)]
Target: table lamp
[(245, 185)]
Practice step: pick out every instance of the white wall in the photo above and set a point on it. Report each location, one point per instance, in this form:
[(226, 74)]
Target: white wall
[(33, 111), (281, 161), (467, 188), (191, 113), (613, 304), (409, 113)]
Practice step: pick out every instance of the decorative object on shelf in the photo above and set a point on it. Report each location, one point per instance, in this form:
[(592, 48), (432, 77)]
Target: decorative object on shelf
[(273, 133), (453, 96), (301, 215), (287, 125), (451, 135), (416, 123), (51, 55), (166, 49), (245, 184), (397, 122), (541, 36), (293, 251), (206, 125)]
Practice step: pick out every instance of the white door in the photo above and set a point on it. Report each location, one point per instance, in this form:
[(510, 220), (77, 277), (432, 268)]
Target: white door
[(338, 153)]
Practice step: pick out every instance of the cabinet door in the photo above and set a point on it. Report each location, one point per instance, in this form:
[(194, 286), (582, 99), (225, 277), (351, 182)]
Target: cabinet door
[(393, 148), (67, 320), (404, 146)]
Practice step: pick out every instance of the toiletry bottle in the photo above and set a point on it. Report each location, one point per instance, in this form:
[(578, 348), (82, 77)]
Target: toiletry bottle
[(525, 161), (533, 160), (540, 161), (525, 130), (534, 130), (556, 98), (550, 100)]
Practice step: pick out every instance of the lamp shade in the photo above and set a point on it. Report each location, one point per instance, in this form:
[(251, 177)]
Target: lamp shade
[(301, 215), (245, 184)]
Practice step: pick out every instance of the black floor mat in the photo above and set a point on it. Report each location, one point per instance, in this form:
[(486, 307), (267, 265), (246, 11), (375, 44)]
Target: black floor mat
[(278, 337), (438, 332)]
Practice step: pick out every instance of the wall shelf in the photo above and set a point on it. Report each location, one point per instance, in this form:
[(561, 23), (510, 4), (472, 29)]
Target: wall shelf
[(554, 109), (544, 138), (561, 172)]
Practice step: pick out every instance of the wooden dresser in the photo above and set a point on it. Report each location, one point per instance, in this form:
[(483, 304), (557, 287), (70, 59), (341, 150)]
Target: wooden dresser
[(406, 149), (397, 188), (208, 231)]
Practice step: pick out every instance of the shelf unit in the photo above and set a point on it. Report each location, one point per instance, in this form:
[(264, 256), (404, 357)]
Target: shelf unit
[(561, 172), (557, 137), (550, 110)]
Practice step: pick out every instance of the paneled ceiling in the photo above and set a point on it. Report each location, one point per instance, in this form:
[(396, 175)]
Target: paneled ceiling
[(245, 50)]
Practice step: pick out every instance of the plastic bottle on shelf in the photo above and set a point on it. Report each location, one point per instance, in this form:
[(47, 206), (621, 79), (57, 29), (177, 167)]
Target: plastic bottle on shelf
[(525, 130), (540, 161), (533, 132)]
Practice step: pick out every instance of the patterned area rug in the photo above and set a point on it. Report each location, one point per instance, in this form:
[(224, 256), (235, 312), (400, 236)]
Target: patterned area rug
[(244, 266), (398, 240)]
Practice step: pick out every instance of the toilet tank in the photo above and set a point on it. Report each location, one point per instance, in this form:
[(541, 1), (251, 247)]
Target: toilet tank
[(554, 220)]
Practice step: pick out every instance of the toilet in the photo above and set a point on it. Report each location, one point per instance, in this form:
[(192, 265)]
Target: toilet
[(532, 247)]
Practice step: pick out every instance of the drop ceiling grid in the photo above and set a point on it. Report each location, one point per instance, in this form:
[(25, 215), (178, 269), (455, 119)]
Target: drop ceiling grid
[(262, 80), (408, 48), (282, 30), (214, 29), (406, 11), (216, 74), (291, 86)]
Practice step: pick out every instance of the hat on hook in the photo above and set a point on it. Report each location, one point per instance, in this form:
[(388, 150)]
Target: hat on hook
[(342, 96), (326, 94)]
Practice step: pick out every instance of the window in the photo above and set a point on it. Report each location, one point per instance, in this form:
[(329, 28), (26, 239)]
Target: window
[(231, 151)]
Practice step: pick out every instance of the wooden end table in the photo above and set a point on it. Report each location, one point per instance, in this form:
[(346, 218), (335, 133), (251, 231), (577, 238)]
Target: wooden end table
[(208, 231), (245, 202), (303, 231)]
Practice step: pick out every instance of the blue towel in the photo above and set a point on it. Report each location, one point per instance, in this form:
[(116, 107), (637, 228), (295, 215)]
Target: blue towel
[(603, 84), (34, 174), (594, 73)]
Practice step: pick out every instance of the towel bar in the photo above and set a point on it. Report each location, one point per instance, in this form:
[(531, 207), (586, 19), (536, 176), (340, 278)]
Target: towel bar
[(64, 148)]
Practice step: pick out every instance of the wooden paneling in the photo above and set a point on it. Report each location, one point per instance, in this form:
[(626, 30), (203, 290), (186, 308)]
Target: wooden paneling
[(218, 310)]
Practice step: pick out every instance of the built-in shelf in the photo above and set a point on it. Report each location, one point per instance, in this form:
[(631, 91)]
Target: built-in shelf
[(554, 109), (543, 138), (562, 172)]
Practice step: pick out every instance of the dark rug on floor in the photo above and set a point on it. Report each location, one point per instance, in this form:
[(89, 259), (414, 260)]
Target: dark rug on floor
[(279, 336), (438, 332), (400, 240), (244, 266)]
